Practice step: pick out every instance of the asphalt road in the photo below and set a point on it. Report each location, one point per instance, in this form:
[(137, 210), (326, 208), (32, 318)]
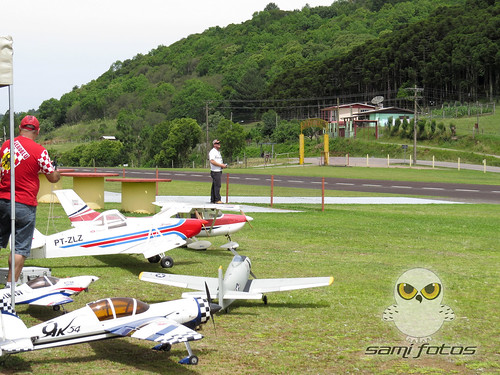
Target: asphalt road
[(470, 193)]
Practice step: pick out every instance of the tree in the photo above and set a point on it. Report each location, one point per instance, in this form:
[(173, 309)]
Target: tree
[(232, 135), (286, 131), (191, 99), (184, 135)]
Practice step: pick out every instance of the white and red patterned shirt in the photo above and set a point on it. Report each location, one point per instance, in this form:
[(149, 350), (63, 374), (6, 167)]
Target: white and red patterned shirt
[(31, 159)]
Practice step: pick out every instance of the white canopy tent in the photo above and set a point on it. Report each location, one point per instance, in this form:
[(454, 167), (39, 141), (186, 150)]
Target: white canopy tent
[(6, 80)]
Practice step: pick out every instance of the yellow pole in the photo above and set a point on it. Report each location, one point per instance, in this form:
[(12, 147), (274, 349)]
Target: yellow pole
[(327, 149)]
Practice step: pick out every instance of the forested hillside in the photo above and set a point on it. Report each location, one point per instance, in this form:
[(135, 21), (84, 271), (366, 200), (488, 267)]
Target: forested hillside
[(453, 55), (239, 62)]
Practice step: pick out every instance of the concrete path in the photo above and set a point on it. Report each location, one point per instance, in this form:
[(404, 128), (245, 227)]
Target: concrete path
[(245, 202)]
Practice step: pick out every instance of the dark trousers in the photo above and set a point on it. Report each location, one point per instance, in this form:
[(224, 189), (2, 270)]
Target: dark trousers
[(216, 184)]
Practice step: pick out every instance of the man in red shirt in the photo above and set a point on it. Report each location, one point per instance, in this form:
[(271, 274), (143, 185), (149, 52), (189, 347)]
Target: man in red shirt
[(31, 159)]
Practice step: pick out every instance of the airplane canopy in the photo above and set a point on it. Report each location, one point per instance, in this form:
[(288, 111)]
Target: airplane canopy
[(112, 308)]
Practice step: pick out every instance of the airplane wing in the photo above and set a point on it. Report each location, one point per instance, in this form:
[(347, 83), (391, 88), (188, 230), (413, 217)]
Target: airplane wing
[(161, 330), (158, 245), (281, 285), (182, 281), (50, 300)]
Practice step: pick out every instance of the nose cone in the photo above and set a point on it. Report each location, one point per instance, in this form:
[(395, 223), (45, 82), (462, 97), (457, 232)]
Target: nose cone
[(214, 308)]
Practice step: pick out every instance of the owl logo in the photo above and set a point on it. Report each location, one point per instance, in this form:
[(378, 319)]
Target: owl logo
[(418, 312)]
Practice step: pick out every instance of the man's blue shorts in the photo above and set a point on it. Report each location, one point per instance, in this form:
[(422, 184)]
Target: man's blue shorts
[(25, 226)]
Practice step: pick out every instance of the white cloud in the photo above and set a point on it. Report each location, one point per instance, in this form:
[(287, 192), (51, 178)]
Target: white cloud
[(62, 43)]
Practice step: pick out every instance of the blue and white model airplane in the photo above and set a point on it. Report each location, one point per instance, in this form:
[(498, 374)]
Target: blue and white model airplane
[(235, 284), (165, 323), (49, 290)]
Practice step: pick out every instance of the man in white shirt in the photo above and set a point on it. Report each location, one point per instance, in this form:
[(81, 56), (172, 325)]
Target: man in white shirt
[(216, 167)]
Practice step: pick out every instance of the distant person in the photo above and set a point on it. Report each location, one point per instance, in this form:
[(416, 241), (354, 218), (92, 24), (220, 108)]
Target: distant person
[(31, 159), (216, 167)]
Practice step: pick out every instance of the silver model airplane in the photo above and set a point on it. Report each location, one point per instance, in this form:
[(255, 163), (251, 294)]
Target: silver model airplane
[(236, 283), (165, 323)]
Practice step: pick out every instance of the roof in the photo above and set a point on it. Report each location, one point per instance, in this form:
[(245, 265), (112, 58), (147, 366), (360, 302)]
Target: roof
[(351, 105), (394, 110)]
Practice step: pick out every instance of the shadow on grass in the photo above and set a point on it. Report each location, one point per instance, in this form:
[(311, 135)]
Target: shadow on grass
[(111, 351), (233, 308)]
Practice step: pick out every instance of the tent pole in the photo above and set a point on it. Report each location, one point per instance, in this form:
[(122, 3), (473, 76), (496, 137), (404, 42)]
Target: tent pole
[(12, 197)]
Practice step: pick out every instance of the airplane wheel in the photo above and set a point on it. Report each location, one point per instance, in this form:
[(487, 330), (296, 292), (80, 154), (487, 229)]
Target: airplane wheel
[(193, 360), (166, 347), (56, 308), (167, 262), (264, 298), (154, 259)]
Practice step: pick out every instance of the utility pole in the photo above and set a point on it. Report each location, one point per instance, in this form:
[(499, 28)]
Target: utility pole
[(208, 142), (415, 119)]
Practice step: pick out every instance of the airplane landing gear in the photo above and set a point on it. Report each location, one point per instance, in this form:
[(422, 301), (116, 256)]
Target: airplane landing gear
[(264, 299), (190, 359), (154, 259), (167, 262)]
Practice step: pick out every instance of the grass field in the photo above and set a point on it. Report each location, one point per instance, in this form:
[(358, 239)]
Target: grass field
[(318, 331)]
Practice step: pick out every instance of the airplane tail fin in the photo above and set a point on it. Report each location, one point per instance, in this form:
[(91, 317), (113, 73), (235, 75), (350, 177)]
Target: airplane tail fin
[(74, 206), (38, 240), (221, 288), (14, 336)]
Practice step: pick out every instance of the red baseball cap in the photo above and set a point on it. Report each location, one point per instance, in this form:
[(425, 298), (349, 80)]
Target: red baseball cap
[(30, 122)]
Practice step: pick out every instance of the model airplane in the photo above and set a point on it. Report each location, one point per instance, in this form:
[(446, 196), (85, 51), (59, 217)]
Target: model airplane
[(49, 291), (220, 223), (165, 323), (110, 232), (235, 284)]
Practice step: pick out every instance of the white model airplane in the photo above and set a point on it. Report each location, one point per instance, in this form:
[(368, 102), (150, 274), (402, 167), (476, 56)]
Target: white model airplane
[(164, 323), (219, 223), (110, 232), (49, 290), (235, 284)]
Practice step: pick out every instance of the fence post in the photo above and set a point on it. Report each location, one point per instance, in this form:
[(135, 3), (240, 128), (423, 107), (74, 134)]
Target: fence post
[(388, 163), (227, 187), (433, 161), (272, 187), (367, 164), (484, 165), (458, 163), (322, 194)]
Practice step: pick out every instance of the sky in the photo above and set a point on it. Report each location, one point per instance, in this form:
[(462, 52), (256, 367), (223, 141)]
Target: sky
[(60, 44)]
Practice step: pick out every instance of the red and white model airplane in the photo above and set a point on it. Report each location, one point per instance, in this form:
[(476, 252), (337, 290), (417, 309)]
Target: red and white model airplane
[(219, 223), (110, 232), (49, 290), (165, 323)]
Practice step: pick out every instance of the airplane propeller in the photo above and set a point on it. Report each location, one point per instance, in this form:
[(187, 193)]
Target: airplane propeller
[(214, 308), (248, 221), (198, 216)]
